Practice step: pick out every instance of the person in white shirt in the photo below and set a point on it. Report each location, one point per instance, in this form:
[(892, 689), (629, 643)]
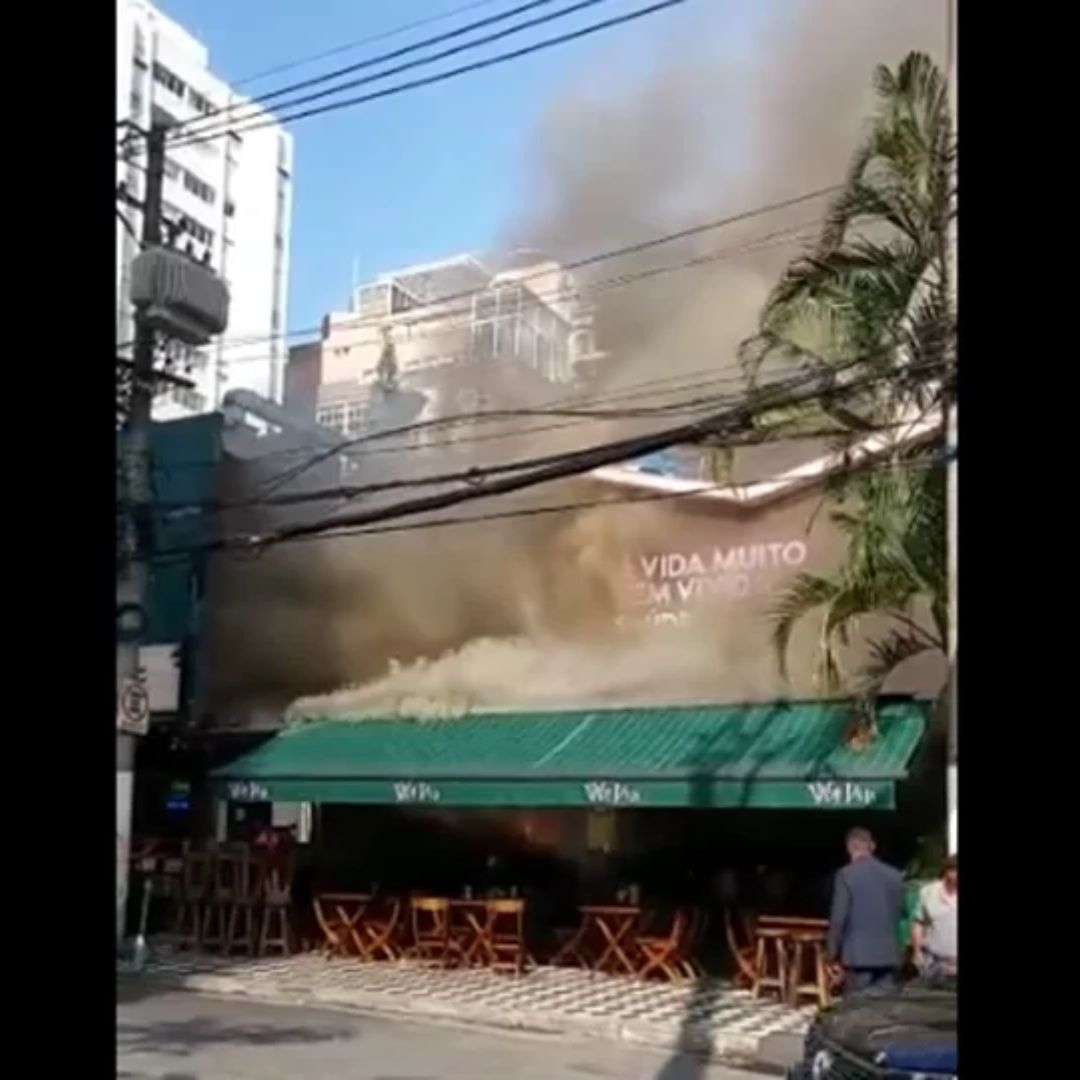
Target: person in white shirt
[(933, 933)]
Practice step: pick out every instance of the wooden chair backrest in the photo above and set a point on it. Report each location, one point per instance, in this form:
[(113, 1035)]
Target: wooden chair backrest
[(232, 877), (506, 918), (277, 885), (742, 953), (430, 918), (679, 927), (387, 912), (196, 875)]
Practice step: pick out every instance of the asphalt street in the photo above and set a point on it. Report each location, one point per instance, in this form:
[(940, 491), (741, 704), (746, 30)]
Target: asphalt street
[(181, 1036)]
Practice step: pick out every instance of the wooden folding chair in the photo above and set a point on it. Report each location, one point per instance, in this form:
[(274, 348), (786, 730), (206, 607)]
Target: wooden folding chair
[(688, 960), (570, 946), (662, 954), (743, 953), (504, 935), (431, 937), (378, 932)]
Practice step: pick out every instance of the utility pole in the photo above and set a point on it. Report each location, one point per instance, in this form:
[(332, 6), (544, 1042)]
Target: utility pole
[(184, 300), (952, 480), (133, 573)]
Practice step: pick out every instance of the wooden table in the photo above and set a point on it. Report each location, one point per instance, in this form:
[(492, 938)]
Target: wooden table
[(338, 916), (791, 922), (612, 923)]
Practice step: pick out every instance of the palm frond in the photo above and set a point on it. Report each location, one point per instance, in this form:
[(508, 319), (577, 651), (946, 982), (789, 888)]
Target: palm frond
[(886, 655), (804, 595)]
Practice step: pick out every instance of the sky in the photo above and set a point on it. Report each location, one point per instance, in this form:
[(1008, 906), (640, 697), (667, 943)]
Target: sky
[(428, 173)]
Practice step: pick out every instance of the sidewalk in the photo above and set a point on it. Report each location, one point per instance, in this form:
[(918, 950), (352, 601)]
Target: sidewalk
[(710, 1018)]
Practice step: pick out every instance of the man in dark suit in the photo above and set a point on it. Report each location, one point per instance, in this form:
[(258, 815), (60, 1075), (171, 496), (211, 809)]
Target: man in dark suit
[(868, 901)]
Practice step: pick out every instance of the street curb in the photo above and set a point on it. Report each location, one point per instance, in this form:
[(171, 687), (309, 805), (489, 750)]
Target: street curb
[(733, 1050)]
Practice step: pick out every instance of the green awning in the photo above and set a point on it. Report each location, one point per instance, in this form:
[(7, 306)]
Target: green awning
[(783, 756)]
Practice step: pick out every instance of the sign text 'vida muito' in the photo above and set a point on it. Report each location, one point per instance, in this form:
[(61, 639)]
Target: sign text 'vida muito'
[(667, 585)]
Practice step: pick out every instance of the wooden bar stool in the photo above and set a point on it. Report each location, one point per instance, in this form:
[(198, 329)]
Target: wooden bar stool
[(808, 959), (194, 889), (771, 962), (240, 934), (217, 915), (277, 904)]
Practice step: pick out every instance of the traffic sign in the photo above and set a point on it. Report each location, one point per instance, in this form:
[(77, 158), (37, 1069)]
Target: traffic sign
[(133, 712)]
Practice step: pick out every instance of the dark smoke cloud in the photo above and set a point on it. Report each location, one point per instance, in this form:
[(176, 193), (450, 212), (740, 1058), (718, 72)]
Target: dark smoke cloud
[(716, 122), (723, 121)]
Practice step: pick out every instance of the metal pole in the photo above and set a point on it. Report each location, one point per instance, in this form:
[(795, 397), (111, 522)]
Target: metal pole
[(133, 574), (952, 480)]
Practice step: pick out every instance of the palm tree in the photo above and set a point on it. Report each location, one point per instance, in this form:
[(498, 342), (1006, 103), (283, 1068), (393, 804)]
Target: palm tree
[(875, 292), (876, 287)]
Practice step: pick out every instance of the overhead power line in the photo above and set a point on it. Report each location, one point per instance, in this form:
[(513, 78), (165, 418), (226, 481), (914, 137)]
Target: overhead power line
[(371, 39), (177, 508), (293, 472), (918, 461), (923, 461), (227, 116), (438, 309), (443, 76), (727, 423), (777, 238), (869, 465)]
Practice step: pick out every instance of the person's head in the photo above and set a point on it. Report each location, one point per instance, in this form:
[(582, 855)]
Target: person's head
[(860, 843), (950, 874)]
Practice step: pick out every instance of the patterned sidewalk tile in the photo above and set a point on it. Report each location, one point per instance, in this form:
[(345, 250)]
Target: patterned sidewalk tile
[(710, 1014)]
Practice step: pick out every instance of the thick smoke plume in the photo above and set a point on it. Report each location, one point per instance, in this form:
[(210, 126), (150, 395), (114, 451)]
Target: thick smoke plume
[(718, 116)]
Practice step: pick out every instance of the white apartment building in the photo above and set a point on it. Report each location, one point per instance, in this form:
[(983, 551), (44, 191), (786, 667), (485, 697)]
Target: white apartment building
[(231, 194), (463, 334)]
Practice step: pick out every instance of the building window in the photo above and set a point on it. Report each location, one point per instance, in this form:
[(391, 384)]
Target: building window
[(172, 170), (196, 230), (173, 83), (484, 341), (230, 208), (354, 418), (331, 416), (199, 188), (200, 103)]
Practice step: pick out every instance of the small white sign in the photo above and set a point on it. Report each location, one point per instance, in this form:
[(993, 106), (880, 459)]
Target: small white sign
[(410, 792), (160, 669), (248, 791), (133, 708), (609, 793), (832, 793)]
